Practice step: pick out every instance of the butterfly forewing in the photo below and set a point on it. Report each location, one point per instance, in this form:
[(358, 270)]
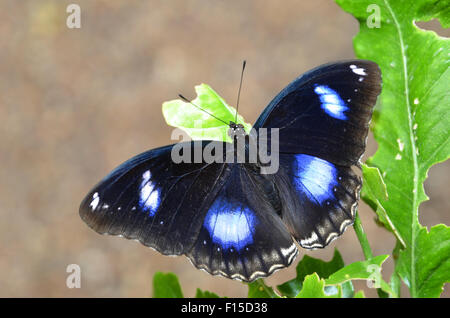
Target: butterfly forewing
[(326, 112), (154, 200)]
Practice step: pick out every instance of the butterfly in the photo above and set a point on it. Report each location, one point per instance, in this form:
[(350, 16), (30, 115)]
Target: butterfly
[(231, 219)]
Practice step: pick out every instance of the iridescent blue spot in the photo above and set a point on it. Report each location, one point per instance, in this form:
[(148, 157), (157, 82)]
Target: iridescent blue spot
[(331, 102), (149, 195), (230, 226), (314, 177)]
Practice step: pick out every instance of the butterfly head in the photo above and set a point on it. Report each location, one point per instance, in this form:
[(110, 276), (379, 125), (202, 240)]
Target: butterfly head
[(236, 130)]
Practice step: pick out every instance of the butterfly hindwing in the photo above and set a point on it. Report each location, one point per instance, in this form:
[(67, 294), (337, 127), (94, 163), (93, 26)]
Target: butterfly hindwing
[(242, 236), (318, 198)]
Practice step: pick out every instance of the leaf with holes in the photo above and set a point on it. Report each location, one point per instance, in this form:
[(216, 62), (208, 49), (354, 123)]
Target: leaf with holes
[(411, 125), (198, 124)]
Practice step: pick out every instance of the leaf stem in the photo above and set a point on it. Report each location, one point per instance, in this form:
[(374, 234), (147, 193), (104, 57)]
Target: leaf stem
[(395, 278), (364, 242), (414, 153), (362, 238)]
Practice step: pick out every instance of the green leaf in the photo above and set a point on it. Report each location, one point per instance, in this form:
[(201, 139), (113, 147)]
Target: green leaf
[(431, 258), (374, 186), (374, 193), (198, 124), (309, 265), (395, 282), (258, 289), (365, 270), (359, 294), (314, 287), (166, 285), (205, 294), (412, 126)]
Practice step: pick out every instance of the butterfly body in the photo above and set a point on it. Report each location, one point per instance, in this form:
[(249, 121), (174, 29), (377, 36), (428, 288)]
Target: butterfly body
[(231, 218)]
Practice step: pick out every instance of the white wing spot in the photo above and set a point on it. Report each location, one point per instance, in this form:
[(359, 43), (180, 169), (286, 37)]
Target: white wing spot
[(398, 157), (331, 102), (358, 70), (149, 195), (95, 201), (289, 252), (309, 240), (416, 101)]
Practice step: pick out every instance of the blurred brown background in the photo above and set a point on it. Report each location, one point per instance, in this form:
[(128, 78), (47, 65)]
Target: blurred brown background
[(74, 103)]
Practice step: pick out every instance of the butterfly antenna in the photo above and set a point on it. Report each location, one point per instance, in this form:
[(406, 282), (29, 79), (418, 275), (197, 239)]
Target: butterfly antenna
[(239, 92), (188, 101)]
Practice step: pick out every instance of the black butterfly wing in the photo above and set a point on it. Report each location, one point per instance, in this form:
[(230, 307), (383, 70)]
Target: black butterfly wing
[(215, 213), (326, 112), (242, 236), (319, 199), (323, 119), (151, 199)]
